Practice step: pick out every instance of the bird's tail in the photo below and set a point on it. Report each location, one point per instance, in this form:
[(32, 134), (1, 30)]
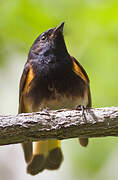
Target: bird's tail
[(27, 149), (47, 155)]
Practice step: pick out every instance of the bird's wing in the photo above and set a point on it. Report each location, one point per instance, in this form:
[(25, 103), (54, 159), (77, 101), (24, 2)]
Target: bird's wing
[(79, 70), (24, 83), (26, 78)]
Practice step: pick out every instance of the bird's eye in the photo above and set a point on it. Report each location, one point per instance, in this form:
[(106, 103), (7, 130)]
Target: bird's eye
[(43, 38)]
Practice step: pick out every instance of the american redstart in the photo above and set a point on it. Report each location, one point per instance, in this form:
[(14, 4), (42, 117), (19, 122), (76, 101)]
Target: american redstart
[(51, 79)]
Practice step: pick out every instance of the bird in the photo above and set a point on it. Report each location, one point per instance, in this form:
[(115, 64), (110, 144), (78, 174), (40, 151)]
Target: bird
[(53, 79)]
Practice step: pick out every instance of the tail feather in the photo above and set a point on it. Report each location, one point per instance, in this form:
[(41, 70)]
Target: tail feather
[(27, 148), (54, 159), (47, 155), (36, 165)]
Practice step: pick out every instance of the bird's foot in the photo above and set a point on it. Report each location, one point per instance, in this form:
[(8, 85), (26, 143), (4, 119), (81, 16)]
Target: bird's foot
[(83, 109)]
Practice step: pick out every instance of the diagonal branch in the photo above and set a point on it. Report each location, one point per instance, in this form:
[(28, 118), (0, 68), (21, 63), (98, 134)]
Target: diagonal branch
[(59, 124)]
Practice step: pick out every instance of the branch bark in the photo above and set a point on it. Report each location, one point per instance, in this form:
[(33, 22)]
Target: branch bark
[(58, 124)]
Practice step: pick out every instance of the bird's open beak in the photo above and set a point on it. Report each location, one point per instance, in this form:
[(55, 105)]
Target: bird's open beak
[(59, 28)]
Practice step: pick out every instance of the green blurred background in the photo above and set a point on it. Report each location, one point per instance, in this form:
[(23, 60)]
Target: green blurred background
[(91, 35)]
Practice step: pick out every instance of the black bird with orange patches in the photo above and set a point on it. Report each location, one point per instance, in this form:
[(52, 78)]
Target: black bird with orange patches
[(51, 79)]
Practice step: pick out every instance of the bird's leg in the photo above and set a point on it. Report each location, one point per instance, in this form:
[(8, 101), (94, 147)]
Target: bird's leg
[(82, 108), (46, 110)]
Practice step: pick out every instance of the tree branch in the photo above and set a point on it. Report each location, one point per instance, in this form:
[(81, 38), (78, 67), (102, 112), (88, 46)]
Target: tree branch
[(58, 124)]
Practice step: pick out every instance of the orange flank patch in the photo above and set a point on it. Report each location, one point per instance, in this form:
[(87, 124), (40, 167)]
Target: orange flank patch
[(78, 71), (29, 78)]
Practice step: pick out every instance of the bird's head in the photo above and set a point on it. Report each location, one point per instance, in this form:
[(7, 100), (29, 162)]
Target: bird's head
[(51, 41)]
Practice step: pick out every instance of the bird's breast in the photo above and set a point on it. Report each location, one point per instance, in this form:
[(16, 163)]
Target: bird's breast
[(56, 88)]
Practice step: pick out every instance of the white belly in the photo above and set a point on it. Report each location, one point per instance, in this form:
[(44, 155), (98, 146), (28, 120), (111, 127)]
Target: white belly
[(59, 102), (65, 102)]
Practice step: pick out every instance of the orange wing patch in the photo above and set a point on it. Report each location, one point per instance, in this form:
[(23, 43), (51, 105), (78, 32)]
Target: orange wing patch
[(30, 77), (78, 71)]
